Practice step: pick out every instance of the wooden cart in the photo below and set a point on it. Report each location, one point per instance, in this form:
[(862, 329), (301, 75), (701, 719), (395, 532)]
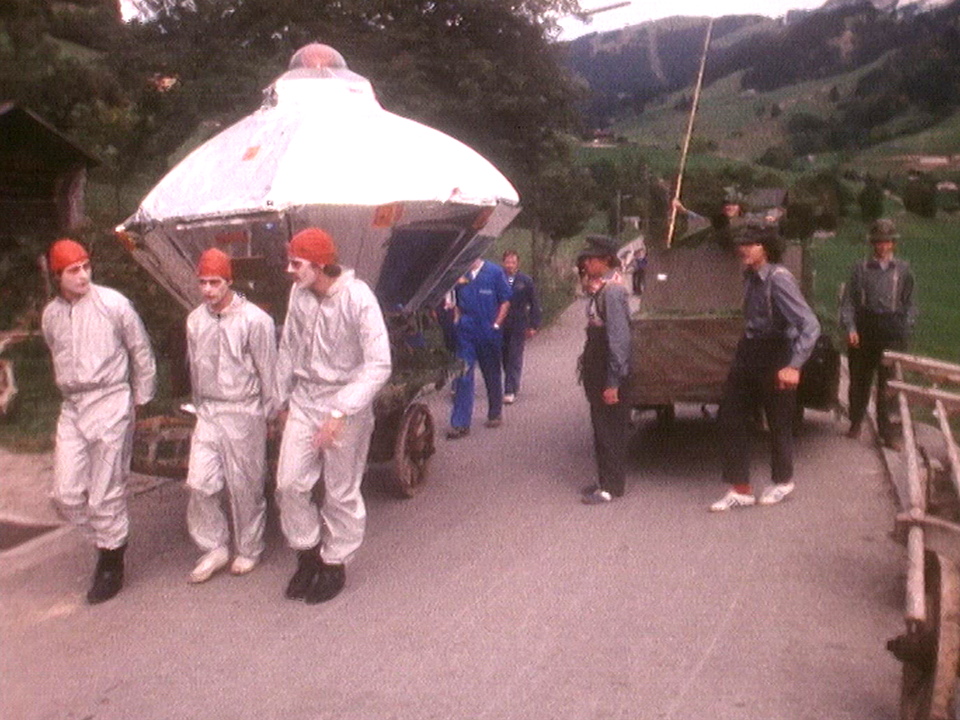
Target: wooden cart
[(929, 524), (403, 433), (686, 325)]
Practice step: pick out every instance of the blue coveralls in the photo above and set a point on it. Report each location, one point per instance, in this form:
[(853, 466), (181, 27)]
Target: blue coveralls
[(478, 341)]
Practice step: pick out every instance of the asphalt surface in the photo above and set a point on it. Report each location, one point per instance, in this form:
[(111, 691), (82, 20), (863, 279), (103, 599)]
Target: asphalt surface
[(495, 593)]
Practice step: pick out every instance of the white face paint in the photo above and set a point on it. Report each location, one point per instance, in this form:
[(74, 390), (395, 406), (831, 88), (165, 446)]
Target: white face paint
[(303, 272), (215, 291), (75, 281)]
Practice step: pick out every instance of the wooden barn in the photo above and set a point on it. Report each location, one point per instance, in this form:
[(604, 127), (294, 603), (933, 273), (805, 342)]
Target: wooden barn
[(42, 177)]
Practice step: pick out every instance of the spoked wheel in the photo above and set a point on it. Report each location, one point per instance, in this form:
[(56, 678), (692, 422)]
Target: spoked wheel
[(413, 449), (931, 651)]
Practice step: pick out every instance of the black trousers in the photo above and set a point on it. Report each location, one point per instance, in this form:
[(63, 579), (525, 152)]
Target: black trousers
[(610, 433), (751, 385), (865, 361)]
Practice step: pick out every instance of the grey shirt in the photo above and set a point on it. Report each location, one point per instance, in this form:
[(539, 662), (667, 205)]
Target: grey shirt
[(774, 307), (615, 316), (880, 289)]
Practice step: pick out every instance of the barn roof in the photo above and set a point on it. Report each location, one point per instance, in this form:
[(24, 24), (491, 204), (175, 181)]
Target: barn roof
[(20, 129)]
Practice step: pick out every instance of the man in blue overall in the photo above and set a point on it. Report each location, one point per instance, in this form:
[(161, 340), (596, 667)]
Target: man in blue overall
[(522, 322), (483, 299)]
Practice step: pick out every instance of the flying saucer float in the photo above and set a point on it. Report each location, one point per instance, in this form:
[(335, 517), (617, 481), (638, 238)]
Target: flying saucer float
[(409, 207)]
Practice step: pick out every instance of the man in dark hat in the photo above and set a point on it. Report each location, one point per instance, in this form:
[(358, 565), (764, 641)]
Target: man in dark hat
[(779, 334), (604, 365), (878, 313)]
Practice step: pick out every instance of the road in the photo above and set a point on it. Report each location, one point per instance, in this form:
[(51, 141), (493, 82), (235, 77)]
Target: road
[(496, 594)]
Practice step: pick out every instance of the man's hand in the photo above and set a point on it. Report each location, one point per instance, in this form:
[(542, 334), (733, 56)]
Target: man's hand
[(611, 396), (788, 378), (328, 436), (853, 339)]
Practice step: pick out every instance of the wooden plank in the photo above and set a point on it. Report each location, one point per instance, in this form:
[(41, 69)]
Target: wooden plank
[(937, 370), (952, 452), (927, 396), (916, 604)]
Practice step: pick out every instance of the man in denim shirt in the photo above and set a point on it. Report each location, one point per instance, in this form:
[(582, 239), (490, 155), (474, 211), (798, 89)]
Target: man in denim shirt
[(779, 335)]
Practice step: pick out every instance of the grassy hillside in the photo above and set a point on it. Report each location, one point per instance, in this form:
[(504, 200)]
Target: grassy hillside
[(740, 124)]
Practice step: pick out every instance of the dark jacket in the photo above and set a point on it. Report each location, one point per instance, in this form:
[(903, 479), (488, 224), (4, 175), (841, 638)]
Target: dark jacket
[(524, 306)]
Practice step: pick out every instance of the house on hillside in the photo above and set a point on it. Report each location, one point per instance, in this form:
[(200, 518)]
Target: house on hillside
[(43, 176)]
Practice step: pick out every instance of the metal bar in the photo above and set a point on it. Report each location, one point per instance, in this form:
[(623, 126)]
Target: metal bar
[(686, 141)]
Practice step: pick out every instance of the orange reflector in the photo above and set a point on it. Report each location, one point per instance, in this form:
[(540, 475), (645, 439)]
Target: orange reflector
[(387, 215), (125, 239), (482, 217), (231, 236)]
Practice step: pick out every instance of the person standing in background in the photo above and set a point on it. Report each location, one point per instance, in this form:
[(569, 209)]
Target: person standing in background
[(878, 313), (520, 324)]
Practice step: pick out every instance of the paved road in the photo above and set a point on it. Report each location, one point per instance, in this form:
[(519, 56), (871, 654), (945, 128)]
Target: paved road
[(496, 594)]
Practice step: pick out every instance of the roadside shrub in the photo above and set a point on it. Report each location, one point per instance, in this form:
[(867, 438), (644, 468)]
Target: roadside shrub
[(870, 200)]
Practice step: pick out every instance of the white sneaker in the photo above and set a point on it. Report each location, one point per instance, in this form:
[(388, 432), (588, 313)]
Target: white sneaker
[(212, 561), (731, 500), (509, 399), (776, 493), (242, 565)]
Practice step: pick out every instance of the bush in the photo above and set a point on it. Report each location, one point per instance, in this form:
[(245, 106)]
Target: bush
[(920, 196), (870, 200)]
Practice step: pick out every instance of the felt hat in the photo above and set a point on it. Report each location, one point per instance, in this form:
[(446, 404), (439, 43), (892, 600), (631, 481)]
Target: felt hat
[(883, 230), (599, 246)]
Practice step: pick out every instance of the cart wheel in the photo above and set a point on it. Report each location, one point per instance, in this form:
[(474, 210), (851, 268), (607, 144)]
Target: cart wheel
[(930, 653), (413, 449)]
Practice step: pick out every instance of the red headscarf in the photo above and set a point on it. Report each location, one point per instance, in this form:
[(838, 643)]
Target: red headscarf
[(315, 245), (64, 253), (215, 263)]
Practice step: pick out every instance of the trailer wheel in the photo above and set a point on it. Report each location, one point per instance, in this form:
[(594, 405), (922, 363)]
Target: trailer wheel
[(930, 652), (412, 450)]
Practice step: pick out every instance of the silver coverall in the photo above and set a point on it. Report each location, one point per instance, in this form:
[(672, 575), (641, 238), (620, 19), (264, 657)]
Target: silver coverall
[(232, 358), (334, 355), (103, 366)]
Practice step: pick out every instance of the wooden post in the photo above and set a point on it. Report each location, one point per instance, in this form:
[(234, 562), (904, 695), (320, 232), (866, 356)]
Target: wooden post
[(916, 601), (671, 227)]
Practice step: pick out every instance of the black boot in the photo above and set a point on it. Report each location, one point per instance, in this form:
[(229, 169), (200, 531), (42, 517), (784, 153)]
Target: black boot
[(108, 578), (308, 564), (328, 584)]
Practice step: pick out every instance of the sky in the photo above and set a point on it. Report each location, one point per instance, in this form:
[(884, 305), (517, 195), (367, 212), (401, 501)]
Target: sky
[(642, 10)]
